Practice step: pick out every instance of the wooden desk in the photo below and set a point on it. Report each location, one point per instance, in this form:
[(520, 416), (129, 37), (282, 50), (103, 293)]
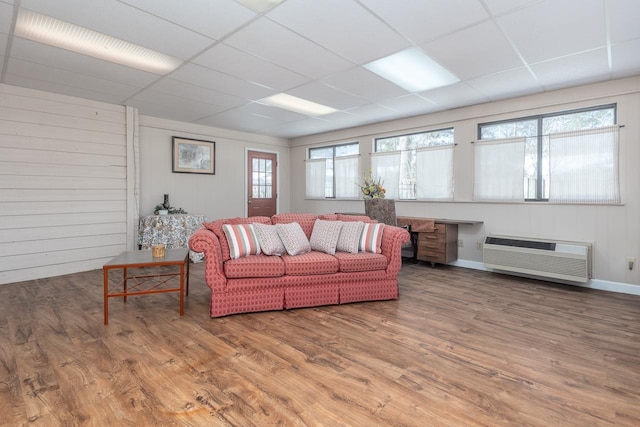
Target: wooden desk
[(152, 283), (435, 245)]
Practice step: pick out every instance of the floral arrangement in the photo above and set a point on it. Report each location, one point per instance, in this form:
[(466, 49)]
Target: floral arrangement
[(372, 187)]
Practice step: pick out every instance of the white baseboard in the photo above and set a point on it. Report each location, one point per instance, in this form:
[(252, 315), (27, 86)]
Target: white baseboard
[(603, 285)]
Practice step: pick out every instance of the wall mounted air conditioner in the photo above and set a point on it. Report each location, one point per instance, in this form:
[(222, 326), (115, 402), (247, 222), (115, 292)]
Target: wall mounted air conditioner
[(550, 259)]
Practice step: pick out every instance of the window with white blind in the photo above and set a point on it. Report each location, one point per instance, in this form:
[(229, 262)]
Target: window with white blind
[(332, 172), (565, 157), (416, 166)]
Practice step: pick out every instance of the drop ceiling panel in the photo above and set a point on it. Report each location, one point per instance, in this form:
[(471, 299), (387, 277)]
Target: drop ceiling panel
[(455, 95), (172, 107), (498, 7), (479, 50), (342, 26), (576, 69), (248, 67), (3, 43), (6, 15), (290, 130), (269, 40), (625, 20), (411, 104), (422, 21), (365, 84), (34, 52), (69, 79), (238, 119), (212, 18), (196, 93), (271, 113), (555, 28), (327, 95), (125, 22), (372, 112), (625, 59), (211, 79), (515, 82)]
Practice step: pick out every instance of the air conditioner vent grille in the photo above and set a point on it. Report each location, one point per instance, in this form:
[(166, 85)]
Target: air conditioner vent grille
[(547, 246)]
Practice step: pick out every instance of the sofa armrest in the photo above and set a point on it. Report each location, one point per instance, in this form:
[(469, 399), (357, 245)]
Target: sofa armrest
[(206, 241), (392, 240)]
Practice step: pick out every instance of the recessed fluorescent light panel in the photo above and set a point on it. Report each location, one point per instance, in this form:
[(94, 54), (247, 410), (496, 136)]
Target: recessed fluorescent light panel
[(412, 70), (45, 29), (260, 5), (297, 105)]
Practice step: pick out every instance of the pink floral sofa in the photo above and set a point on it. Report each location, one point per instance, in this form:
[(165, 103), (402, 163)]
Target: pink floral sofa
[(260, 282)]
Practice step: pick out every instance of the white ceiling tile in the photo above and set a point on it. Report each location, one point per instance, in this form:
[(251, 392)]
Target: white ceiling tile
[(245, 66), (625, 59), (422, 21), (507, 84), (455, 95), (290, 130), (6, 15), (365, 84), (238, 119), (69, 79), (342, 26), (125, 22), (167, 106), (211, 79), (498, 7), (411, 104), (624, 17), (272, 113), (63, 89), (196, 93), (327, 95), (287, 49), (554, 28), (573, 70), (60, 58), (372, 112), (3, 43), (213, 18), (479, 50)]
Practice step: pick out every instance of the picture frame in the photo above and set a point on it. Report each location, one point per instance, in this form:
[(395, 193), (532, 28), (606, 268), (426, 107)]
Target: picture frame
[(193, 156)]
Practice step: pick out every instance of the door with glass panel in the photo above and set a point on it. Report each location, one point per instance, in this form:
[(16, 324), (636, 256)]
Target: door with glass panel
[(262, 179)]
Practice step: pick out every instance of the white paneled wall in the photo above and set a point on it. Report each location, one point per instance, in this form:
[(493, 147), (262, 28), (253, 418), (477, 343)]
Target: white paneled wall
[(63, 184)]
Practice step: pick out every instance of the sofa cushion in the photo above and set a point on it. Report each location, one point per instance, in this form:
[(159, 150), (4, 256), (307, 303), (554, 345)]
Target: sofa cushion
[(270, 242), (242, 240), (310, 263), (306, 221), (362, 261), (216, 228), (254, 266), (293, 238), (324, 236), (349, 239), (371, 238)]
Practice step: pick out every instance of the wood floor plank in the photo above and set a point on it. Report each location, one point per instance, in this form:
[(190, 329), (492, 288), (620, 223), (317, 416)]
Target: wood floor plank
[(458, 348)]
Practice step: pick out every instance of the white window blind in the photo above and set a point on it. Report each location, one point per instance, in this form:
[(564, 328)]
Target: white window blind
[(386, 165), (434, 171), (346, 176), (584, 166), (499, 170), (316, 172)]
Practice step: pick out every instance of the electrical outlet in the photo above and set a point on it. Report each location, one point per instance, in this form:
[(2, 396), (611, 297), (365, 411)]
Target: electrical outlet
[(460, 243), (479, 246), (631, 263)]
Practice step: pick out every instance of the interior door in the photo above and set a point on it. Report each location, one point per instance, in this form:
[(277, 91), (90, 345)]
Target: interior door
[(262, 179)]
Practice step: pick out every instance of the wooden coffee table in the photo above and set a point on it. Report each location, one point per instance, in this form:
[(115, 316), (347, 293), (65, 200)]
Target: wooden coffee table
[(149, 283)]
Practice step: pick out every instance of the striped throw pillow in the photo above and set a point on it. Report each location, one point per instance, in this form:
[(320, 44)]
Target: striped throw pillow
[(371, 238), (242, 240)]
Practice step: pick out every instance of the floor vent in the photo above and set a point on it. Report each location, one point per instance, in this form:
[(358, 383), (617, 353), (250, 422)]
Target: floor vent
[(550, 259)]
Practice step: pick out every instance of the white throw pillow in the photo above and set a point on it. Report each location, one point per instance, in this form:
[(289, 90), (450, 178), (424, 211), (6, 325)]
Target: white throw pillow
[(270, 242), (324, 236), (293, 238), (349, 239)]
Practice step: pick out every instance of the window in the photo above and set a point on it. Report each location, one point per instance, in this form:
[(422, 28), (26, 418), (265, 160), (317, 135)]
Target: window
[(416, 166), (551, 153), (332, 171)]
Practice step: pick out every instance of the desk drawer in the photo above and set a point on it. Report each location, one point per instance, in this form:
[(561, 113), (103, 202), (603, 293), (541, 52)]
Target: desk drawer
[(431, 238)]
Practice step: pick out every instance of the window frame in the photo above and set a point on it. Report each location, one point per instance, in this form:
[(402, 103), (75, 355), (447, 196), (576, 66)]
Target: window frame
[(333, 148), (376, 140), (539, 118)]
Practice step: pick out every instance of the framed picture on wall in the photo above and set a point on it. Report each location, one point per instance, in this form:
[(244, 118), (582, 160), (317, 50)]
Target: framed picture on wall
[(193, 156)]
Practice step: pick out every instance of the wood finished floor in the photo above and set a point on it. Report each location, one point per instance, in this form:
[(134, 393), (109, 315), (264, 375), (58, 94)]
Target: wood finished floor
[(459, 348)]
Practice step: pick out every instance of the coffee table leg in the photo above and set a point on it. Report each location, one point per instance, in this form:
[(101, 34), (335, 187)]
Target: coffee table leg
[(182, 289), (105, 273), (187, 275), (124, 283)]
